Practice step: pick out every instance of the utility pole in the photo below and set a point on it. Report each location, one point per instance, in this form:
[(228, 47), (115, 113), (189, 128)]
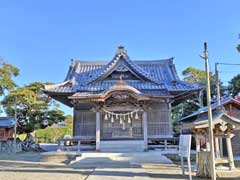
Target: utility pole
[(15, 125), (218, 85), (210, 125), (15, 128), (218, 103)]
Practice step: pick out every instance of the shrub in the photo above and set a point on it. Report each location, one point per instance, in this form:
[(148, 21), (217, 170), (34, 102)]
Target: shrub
[(51, 134)]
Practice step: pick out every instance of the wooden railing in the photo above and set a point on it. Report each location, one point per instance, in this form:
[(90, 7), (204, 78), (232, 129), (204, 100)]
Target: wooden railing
[(166, 143), (8, 146), (69, 141)]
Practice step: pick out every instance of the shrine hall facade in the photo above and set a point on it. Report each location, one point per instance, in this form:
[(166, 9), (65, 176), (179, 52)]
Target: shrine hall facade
[(122, 99)]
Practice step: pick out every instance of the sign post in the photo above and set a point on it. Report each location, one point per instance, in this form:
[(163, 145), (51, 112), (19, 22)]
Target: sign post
[(185, 151)]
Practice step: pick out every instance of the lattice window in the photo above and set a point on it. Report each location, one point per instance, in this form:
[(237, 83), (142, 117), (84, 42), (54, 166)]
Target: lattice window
[(2, 133), (85, 124), (159, 122)]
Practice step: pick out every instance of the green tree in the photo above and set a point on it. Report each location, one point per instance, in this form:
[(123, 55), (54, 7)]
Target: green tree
[(69, 121), (32, 111), (179, 111), (194, 75), (234, 85), (7, 72), (238, 47)]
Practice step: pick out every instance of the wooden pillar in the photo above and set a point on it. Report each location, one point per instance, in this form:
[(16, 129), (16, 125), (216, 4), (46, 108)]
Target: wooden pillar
[(230, 153), (145, 132), (221, 146), (97, 130), (217, 150)]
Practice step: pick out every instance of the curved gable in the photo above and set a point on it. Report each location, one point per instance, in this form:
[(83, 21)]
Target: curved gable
[(122, 63)]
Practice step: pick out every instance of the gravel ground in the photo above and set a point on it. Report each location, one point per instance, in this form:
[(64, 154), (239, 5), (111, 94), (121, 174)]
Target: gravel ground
[(27, 166)]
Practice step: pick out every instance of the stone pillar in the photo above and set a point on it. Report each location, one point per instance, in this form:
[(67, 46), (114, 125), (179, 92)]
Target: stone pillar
[(230, 153), (97, 130), (79, 148), (197, 139), (217, 150), (145, 130), (165, 144)]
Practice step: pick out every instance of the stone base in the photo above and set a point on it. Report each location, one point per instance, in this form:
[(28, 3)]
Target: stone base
[(122, 146), (58, 156)]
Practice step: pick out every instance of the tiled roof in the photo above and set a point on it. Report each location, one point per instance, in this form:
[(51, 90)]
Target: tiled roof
[(204, 120), (85, 76), (7, 121), (159, 71), (214, 106)]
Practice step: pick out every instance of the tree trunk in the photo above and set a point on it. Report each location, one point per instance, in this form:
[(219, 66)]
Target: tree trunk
[(204, 168)]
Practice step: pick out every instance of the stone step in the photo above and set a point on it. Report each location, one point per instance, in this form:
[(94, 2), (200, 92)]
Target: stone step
[(92, 158), (122, 146)]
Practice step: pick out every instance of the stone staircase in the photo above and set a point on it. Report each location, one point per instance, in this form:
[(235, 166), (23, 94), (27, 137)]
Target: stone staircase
[(111, 159)]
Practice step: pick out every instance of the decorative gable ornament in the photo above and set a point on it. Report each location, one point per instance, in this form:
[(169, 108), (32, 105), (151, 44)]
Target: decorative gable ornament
[(223, 127), (122, 68)]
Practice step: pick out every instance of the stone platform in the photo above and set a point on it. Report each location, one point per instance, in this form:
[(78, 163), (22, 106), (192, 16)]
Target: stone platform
[(109, 159), (92, 159)]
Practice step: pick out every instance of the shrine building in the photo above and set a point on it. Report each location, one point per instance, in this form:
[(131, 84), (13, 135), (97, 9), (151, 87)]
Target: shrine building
[(226, 114), (122, 102)]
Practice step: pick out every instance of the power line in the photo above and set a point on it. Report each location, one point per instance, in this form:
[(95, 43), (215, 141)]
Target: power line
[(228, 71), (229, 64)]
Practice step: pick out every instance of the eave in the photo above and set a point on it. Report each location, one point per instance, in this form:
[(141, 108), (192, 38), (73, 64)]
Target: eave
[(202, 122)]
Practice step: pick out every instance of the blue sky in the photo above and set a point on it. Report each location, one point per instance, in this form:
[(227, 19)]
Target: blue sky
[(40, 37)]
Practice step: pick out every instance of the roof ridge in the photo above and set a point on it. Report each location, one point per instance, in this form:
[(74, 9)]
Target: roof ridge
[(136, 61), (157, 61)]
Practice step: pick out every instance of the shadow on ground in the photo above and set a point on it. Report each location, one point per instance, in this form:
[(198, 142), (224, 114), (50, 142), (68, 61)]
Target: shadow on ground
[(28, 164)]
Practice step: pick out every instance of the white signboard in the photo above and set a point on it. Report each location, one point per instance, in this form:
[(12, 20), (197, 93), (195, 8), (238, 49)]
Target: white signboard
[(184, 152), (185, 145)]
